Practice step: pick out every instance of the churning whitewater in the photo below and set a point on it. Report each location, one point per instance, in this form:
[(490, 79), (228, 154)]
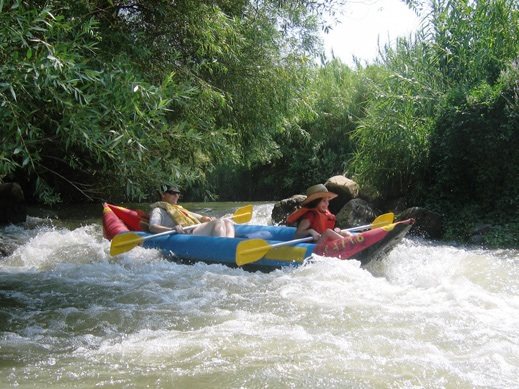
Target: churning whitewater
[(427, 315)]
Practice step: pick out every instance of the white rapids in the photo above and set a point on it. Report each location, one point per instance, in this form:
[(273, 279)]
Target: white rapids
[(428, 315)]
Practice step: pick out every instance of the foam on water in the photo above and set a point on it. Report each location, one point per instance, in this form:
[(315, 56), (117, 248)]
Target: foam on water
[(428, 315)]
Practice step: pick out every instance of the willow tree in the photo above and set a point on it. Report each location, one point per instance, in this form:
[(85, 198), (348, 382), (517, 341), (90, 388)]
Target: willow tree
[(80, 111), (114, 97)]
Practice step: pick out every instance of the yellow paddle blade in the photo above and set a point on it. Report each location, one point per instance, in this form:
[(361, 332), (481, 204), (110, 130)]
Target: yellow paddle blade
[(243, 214), (286, 253), (251, 250), (124, 242), (383, 220), (389, 227)]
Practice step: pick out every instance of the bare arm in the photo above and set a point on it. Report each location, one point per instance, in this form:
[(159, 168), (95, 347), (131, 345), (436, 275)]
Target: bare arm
[(303, 229), (160, 221), (202, 218)]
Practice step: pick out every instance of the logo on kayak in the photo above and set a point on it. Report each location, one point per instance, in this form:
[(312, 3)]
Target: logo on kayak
[(342, 248)]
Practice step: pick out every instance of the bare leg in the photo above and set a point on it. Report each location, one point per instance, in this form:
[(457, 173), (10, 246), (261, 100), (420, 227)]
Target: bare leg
[(219, 227), (329, 235), (224, 227), (204, 229), (229, 233)]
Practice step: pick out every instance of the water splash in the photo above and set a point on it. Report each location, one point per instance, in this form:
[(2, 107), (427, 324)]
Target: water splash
[(428, 315)]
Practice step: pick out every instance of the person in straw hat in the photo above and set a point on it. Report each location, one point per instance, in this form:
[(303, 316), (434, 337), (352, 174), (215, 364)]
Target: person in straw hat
[(314, 218)]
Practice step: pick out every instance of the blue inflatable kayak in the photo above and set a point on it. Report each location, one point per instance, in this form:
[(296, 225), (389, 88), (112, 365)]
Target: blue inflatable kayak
[(254, 247)]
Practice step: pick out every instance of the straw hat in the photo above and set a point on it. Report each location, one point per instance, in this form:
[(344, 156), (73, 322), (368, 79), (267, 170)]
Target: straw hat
[(316, 192)]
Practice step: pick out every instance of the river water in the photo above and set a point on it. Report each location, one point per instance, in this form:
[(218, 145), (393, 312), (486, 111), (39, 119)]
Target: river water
[(429, 315)]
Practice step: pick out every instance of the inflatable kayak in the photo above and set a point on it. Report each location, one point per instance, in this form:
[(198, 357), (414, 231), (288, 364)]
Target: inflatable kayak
[(254, 247)]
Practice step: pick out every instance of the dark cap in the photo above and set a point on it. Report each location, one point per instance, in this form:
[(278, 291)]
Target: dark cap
[(167, 188)]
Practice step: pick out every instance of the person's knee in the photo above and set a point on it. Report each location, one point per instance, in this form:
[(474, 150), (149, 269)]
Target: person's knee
[(226, 228), (230, 231), (218, 224), (221, 227)]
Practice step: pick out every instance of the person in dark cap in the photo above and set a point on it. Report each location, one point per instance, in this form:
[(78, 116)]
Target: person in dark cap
[(313, 218), (168, 215)]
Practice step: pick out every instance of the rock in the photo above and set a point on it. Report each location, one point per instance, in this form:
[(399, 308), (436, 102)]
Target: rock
[(397, 205), (285, 207), (12, 203), (356, 212), (345, 189), (427, 223), (479, 233), (6, 249)]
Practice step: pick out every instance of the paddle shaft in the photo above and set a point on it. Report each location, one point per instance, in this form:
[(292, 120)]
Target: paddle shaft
[(170, 232), (295, 241), (360, 228), (310, 238)]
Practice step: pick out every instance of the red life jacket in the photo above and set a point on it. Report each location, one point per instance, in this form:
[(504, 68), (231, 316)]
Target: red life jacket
[(319, 221)]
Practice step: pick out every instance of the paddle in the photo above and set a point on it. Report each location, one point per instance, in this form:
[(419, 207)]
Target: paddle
[(252, 250), (125, 242), (379, 221)]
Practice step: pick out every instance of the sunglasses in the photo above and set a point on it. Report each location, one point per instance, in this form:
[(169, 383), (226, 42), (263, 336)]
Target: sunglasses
[(171, 192)]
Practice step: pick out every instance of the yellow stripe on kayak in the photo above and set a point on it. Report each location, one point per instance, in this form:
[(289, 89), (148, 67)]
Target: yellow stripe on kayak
[(286, 253)]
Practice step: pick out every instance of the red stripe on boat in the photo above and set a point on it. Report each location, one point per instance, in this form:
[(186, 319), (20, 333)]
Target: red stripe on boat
[(135, 220), (112, 225), (351, 245)]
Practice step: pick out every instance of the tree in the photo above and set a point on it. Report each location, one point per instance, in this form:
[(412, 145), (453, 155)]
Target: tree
[(104, 95)]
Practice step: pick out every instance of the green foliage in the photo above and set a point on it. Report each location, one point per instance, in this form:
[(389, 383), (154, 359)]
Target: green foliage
[(458, 47), (442, 129), (472, 41), (392, 142), (459, 228), (484, 123), (111, 97), (463, 219), (72, 123), (504, 235), (317, 143)]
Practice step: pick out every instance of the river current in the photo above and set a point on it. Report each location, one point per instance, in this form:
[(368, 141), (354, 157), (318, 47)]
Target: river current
[(428, 315)]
